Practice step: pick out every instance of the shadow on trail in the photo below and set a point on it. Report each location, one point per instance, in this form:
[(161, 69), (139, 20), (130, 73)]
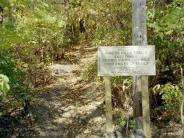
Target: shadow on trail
[(17, 126), (59, 112), (79, 124)]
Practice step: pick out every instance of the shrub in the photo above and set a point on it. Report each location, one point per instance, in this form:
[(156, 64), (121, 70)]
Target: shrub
[(13, 82), (171, 98)]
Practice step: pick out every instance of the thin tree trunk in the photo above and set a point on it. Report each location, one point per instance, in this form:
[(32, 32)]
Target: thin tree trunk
[(11, 17), (32, 4)]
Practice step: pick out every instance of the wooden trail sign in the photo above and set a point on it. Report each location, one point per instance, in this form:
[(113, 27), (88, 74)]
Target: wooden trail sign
[(126, 60)]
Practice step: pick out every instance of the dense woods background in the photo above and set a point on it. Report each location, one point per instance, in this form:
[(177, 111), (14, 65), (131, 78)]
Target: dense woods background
[(35, 34)]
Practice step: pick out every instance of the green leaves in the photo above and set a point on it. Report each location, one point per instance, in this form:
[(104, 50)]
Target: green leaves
[(167, 23), (4, 84), (170, 94)]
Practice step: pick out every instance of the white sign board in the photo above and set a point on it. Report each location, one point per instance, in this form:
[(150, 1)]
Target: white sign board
[(126, 60)]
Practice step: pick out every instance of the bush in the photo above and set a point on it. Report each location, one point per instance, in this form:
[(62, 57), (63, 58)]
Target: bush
[(170, 100), (4, 86), (18, 91)]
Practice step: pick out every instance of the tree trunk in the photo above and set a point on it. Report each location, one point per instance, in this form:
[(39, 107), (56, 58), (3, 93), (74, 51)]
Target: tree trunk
[(140, 85), (138, 38), (32, 4)]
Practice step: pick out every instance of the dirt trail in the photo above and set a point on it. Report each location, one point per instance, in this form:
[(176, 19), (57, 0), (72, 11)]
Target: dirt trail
[(72, 108)]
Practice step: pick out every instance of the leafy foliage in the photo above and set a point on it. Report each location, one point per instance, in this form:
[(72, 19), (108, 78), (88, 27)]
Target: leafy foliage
[(105, 23), (14, 80), (34, 33), (166, 32), (171, 95), (165, 27), (4, 86), (127, 123)]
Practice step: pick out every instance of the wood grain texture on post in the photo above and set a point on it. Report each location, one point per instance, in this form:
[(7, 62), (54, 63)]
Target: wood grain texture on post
[(108, 104), (140, 86)]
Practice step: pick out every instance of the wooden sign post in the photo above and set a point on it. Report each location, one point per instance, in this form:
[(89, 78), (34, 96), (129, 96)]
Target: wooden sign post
[(108, 105), (125, 61), (139, 35)]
